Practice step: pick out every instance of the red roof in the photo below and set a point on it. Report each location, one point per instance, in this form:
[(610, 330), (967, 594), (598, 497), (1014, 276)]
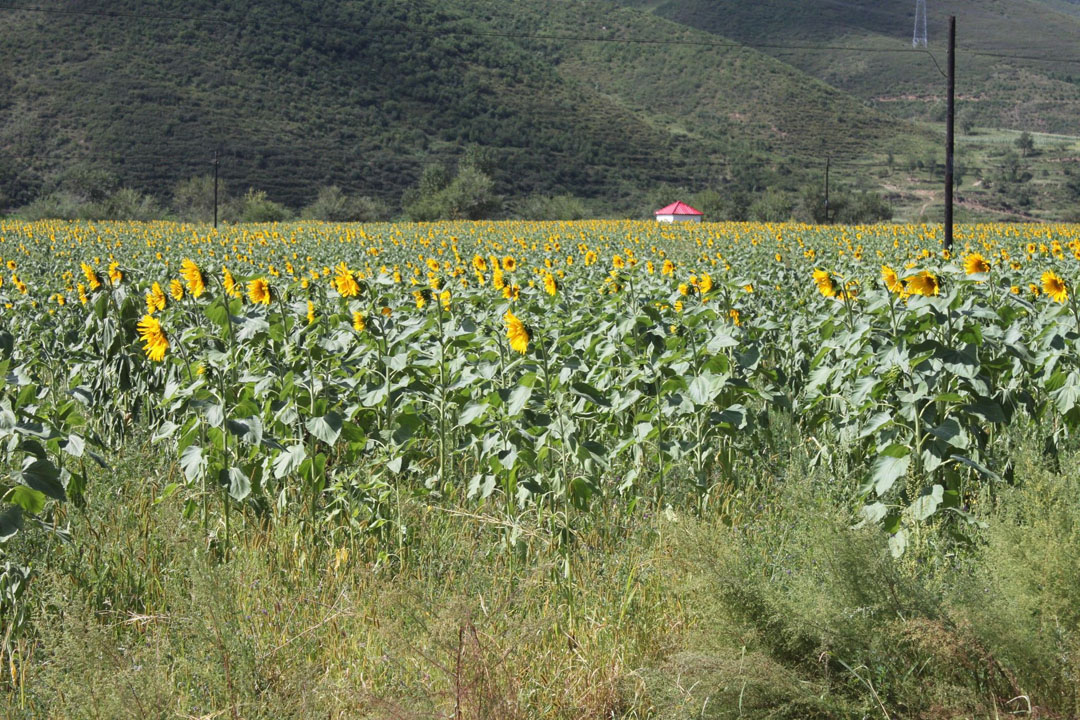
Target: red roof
[(678, 208)]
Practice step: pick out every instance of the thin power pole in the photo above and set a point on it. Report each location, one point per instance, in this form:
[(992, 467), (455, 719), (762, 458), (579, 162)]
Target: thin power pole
[(216, 163), (827, 162), (949, 123)]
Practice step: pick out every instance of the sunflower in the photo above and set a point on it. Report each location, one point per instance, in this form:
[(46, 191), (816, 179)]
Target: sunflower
[(358, 321), (517, 332), (176, 289), (479, 263), (232, 288), (154, 338), (418, 297), (551, 286), (444, 299), (195, 283), (509, 263), (825, 284), (891, 280), (155, 299), (92, 278), (82, 294), (734, 315), (1054, 286), (259, 291), (115, 276), (668, 268), (924, 283), (617, 262), (975, 264), (590, 258), (705, 283), (344, 281), (310, 312)]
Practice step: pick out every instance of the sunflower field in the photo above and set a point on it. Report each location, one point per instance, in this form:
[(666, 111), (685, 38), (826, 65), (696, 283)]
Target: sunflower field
[(320, 369), (536, 375)]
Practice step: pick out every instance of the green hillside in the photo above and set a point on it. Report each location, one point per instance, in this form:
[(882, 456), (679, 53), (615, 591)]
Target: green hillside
[(365, 94), (1017, 93)]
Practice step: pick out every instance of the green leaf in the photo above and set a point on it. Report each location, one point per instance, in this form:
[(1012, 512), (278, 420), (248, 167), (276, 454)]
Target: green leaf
[(703, 388), (31, 501), (872, 513), (74, 446), (288, 460), (926, 504), (950, 432), (326, 428), (518, 397), (471, 412), (42, 475), (238, 483), (976, 466), (11, 521), (890, 465), (875, 423), (590, 393), (898, 543), (193, 462)]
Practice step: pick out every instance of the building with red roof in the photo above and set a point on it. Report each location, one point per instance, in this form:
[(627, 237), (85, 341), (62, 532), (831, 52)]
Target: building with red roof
[(678, 212)]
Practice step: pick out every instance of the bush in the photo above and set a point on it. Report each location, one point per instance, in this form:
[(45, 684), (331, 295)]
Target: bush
[(773, 206), (469, 196), (559, 207), (333, 205), (193, 199), (256, 207)]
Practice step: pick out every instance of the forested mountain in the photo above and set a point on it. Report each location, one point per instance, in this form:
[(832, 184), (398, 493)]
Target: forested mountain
[(297, 94), (1018, 64)]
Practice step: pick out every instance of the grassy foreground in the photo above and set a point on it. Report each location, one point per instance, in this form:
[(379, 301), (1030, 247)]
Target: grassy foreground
[(768, 606)]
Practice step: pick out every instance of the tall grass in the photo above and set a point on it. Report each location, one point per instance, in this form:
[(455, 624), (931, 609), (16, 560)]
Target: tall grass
[(767, 604)]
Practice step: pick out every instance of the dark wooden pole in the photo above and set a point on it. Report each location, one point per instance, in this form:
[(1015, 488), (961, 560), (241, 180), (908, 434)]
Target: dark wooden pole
[(949, 123)]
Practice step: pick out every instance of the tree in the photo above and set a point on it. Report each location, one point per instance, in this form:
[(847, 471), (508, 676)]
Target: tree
[(256, 207), (559, 207), (773, 206), (333, 205), (193, 199), (967, 123), (469, 196), (1025, 143)]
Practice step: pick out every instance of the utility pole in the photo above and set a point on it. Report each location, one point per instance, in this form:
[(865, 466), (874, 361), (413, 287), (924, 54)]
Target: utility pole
[(828, 160), (216, 162), (949, 123)]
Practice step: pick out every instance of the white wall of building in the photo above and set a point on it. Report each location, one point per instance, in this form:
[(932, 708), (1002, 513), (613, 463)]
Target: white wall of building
[(678, 218)]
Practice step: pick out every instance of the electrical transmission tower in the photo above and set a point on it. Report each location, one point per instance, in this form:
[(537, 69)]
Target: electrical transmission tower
[(919, 38)]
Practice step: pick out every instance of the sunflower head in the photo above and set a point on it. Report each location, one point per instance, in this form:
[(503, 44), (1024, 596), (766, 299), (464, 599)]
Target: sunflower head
[(193, 277), (517, 332), (259, 291), (975, 264), (154, 341), (924, 283), (891, 280), (1054, 286)]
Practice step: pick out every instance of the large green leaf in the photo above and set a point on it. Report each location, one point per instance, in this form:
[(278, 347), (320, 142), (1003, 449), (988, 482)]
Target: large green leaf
[(326, 428), (193, 462), (42, 475), (289, 460), (890, 465)]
